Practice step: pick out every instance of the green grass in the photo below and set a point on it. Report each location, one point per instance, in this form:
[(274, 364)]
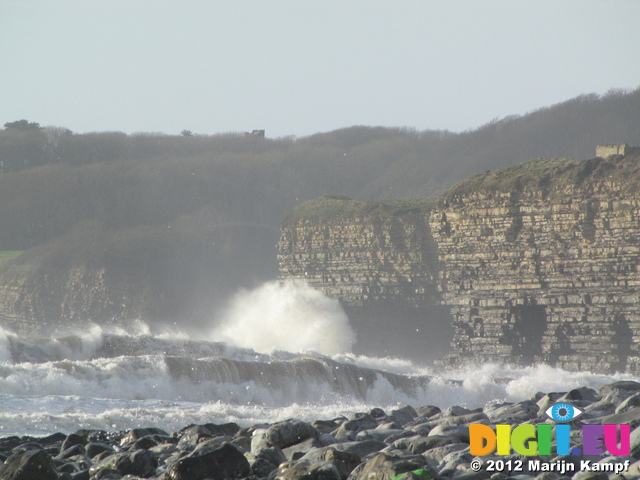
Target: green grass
[(337, 208), (552, 177), (9, 254)]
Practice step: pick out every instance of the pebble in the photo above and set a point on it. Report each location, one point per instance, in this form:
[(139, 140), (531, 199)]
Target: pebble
[(422, 443)]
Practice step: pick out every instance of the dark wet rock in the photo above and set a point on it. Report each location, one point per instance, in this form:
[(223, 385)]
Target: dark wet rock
[(9, 443), (460, 432), (455, 411), (244, 443), (224, 429), (224, 462), (54, 439), (63, 466), (377, 413), (193, 435), (582, 393), (377, 434), (327, 439), (107, 474), (72, 451), (388, 466), (344, 462), (145, 443), (625, 385), (327, 426), (71, 440), (591, 476), (273, 454), (437, 454), (427, 411), (465, 419), (290, 432), (404, 415), (632, 417), (355, 424), (299, 449), (512, 413), (141, 463), (211, 443), (33, 464), (259, 440), (481, 475), (262, 467), (361, 449), (138, 433), (307, 470), (372, 445), (629, 403), (23, 447), (420, 444), (547, 400)]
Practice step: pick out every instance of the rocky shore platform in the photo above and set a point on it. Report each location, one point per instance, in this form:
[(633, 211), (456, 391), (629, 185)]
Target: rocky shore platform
[(410, 443)]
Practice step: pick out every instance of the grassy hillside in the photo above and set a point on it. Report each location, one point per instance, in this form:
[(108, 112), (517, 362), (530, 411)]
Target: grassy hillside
[(200, 215)]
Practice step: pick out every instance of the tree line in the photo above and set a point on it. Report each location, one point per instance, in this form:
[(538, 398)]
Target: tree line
[(202, 212)]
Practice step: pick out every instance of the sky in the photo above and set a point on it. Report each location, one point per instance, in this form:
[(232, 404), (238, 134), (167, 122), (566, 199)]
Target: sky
[(298, 67)]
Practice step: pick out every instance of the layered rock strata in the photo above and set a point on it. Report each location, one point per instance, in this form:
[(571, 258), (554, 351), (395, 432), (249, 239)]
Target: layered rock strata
[(380, 261), (539, 263), (361, 252)]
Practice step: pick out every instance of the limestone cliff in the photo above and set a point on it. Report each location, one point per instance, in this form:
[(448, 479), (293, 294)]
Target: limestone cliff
[(379, 260), (361, 251), (541, 263), (34, 301), (538, 262)]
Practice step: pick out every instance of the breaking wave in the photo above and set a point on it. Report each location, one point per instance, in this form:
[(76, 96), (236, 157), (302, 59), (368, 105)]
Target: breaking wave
[(288, 316), (251, 372)]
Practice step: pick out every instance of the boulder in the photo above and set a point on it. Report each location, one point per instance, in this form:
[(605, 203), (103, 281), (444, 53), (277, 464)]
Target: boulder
[(221, 463), (289, 432), (29, 465)]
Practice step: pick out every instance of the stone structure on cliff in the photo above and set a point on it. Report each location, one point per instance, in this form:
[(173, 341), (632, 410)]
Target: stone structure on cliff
[(539, 262), (604, 151)]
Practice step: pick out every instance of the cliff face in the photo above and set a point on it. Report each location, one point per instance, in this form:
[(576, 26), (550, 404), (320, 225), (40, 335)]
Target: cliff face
[(380, 261), (34, 302), (541, 264), (537, 263), (361, 252)]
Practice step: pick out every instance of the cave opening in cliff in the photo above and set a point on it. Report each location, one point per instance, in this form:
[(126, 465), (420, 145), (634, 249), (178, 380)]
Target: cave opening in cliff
[(529, 325), (621, 342), (421, 333)]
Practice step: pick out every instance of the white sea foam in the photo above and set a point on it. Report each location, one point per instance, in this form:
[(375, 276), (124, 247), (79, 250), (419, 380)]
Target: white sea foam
[(290, 316), (116, 379)]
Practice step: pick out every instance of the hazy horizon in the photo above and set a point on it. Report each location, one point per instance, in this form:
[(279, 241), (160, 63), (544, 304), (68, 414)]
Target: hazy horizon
[(296, 68)]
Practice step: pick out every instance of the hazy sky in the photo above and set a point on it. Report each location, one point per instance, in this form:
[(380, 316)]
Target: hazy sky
[(296, 67)]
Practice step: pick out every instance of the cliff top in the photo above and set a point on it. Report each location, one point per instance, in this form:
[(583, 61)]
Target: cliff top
[(552, 177), (330, 208)]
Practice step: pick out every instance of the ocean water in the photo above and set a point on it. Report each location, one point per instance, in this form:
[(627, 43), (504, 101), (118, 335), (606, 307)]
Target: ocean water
[(276, 352)]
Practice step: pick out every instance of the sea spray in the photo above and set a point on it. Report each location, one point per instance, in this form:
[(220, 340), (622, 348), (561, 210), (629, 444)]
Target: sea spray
[(289, 316), (117, 378), (144, 380), (5, 345)]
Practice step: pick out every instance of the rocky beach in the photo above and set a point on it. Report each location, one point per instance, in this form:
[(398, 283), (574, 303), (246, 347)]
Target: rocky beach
[(408, 443)]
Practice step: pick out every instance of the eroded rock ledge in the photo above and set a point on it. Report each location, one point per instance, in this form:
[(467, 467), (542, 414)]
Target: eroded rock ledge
[(538, 262)]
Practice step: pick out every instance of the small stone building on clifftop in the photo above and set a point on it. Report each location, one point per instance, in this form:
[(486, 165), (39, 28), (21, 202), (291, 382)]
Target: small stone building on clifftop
[(604, 151)]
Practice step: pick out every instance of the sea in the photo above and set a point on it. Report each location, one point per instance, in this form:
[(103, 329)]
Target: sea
[(281, 350)]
